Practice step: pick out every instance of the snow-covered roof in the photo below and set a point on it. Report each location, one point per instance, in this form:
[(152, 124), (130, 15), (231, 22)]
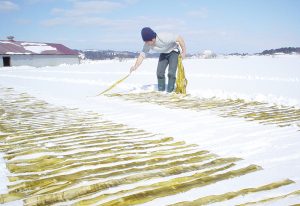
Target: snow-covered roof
[(22, 47)]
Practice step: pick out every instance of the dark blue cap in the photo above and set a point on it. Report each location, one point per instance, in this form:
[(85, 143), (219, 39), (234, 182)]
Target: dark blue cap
[(148, 34)]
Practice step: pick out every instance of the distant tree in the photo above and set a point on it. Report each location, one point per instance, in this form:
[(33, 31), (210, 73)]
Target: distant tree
[(285, 50), (110, 54)]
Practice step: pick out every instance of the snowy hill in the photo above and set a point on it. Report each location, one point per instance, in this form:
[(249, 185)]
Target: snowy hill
[(284, 50)]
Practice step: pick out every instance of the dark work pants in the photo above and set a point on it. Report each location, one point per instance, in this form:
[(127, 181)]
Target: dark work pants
[(166, 59)]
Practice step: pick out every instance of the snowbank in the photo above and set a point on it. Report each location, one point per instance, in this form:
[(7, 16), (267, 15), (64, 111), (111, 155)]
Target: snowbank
[(263, 79)]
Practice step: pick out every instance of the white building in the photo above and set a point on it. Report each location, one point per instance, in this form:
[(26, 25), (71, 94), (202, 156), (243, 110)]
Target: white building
[(19, 53)]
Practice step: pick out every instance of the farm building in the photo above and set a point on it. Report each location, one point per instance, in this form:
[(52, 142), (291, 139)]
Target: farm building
[(19, 53)]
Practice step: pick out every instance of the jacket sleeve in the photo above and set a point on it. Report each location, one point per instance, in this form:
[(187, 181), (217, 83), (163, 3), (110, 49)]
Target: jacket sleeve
[(145, 50)]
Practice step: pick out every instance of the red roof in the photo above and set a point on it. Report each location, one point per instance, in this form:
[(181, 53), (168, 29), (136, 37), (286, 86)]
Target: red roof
[(22, 47)]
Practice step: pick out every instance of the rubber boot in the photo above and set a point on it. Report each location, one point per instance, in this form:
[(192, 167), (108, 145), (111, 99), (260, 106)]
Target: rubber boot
[(161, 84), (171, 85)]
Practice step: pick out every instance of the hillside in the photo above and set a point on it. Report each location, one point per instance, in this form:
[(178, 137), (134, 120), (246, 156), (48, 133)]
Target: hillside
[(111, 54), (284, 50)]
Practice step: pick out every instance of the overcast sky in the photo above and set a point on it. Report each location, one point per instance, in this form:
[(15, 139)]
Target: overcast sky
[(224, 26)]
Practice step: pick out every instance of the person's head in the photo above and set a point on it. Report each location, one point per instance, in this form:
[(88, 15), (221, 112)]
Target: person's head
[(149, 36)]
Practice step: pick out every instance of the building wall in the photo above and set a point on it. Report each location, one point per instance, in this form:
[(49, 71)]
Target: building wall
[(40, 60)]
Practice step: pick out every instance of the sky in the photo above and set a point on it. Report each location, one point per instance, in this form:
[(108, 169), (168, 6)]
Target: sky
[(223, 26)]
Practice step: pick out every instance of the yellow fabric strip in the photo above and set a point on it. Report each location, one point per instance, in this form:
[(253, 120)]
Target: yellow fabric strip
[(115, 84), (181, 81)]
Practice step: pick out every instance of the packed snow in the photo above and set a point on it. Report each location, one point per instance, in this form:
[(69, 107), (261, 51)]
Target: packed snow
[(37, 48), (270, 79)]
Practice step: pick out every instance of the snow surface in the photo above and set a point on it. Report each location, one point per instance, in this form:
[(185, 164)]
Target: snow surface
[(275, 80), (9, 42), (17, 53), (37, 48)]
